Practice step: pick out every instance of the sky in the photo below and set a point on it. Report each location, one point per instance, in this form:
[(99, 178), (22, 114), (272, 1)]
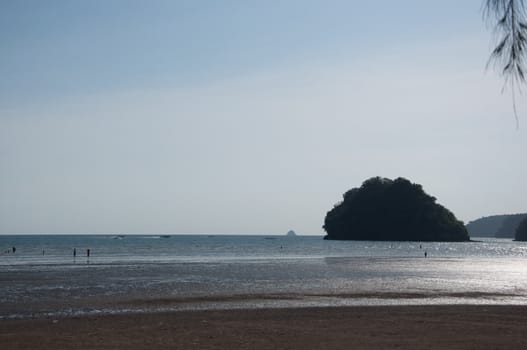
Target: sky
[(246, 117)]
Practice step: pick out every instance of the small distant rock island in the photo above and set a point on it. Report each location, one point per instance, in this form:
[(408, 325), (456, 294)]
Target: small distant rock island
[(392, 210), (291, 233)]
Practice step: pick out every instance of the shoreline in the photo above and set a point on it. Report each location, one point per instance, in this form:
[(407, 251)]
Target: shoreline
[(100, 306), (357, 327)]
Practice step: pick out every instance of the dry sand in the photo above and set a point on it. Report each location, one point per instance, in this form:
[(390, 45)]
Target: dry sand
[(386, 327)]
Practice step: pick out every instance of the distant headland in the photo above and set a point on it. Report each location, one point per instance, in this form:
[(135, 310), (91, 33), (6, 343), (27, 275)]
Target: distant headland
[(499, 226), (392, 210), (521, 231)]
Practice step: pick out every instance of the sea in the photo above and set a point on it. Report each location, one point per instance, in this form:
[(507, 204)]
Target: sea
[(41, 277)]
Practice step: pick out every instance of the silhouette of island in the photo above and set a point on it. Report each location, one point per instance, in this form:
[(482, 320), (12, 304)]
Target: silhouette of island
[(486, 226), (392, 210), (500, 226), (510, 225), (521, 231)]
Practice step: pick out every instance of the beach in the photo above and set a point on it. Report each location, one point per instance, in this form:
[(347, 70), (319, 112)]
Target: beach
[(384, 327), (240, 292)]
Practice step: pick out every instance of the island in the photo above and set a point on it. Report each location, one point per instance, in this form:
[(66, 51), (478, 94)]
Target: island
[(291, 233), (498, 226), (392, 210), (486, 226), (510, 225), (521, 231)]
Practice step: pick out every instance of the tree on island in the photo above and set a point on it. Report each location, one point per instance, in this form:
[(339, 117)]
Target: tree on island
[(392, 210), (521, 231)]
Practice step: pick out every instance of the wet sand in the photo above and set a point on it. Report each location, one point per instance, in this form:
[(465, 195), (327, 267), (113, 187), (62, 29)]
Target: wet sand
[(375, 327)]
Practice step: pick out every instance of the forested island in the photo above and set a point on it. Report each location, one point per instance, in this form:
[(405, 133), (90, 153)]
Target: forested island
[(392, 210), (521, 231), (499, 226)]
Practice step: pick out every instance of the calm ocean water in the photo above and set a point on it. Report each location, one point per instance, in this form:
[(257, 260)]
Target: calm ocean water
[(125, 273)]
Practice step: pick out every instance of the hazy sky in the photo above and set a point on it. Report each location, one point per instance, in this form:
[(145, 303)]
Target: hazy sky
[(245, 116)]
